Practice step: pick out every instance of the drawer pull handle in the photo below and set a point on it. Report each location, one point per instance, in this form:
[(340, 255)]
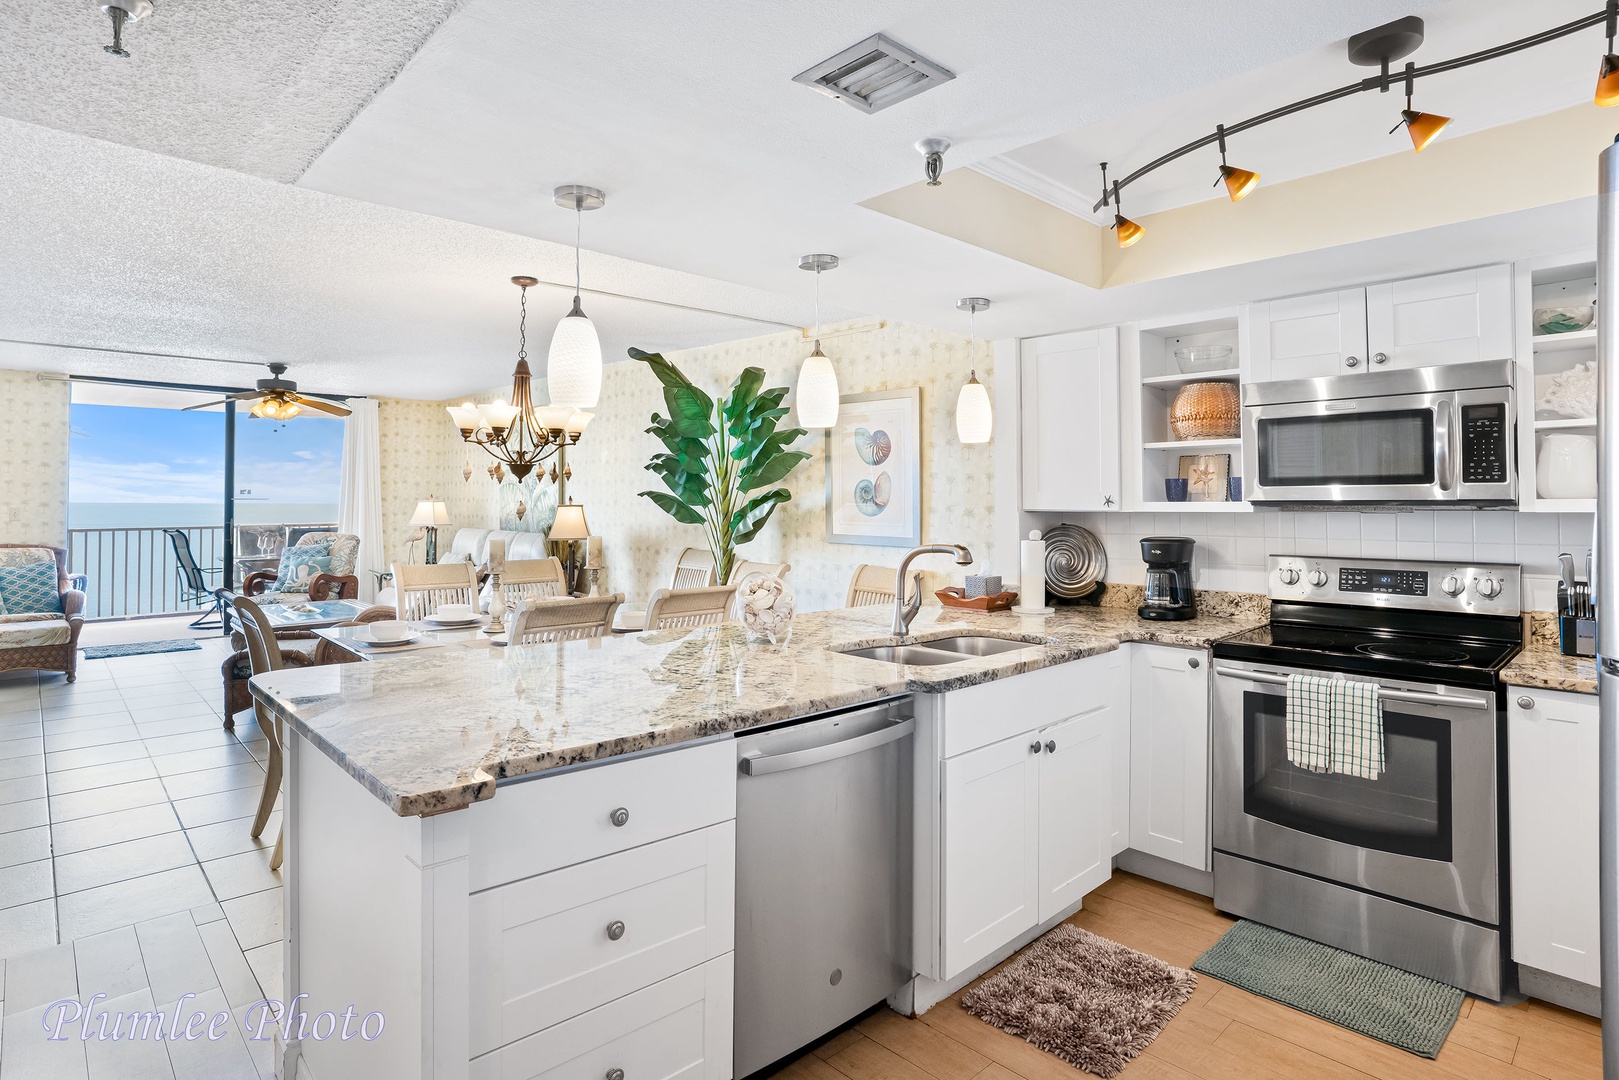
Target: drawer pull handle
[(615, 1074), (1051, 746), (1034, 747), (619, 818), (1526, 702), (615, 930)]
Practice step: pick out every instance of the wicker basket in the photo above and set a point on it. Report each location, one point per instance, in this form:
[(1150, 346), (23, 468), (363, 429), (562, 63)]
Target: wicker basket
[(1206, 410)]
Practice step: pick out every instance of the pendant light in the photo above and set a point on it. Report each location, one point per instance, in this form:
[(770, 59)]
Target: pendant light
[(975, 419), (1238, 182), (573, 370), (1608, 74), (1422, 127), (817, 400)]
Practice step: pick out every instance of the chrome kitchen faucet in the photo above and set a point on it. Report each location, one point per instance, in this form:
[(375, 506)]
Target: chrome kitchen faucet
[(905, 610)]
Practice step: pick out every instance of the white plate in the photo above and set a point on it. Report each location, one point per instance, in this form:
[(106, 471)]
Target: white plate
[(470, 620), (378, 643)]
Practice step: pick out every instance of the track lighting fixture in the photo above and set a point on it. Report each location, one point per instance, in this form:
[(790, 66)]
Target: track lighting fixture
[(1608, 74), (932, 151), (1422, 127), (1128, 231), (1238, 182)]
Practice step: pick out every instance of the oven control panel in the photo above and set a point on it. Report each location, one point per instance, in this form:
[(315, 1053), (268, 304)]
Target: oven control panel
[(1488, 589)]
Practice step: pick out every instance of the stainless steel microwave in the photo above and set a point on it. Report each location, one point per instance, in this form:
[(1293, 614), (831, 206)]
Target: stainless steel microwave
[(1435, 436)]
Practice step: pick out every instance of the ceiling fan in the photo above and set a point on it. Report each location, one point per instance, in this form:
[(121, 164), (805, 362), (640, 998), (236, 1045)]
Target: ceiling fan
[(277, 398)]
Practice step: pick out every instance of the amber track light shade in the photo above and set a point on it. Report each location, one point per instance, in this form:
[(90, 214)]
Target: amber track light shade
[(1423, 127), (1608, 81), (1129, 232), (1238, 182)]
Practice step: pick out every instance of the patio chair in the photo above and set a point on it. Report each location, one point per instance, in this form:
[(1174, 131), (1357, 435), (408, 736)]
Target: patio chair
[(195, 587)]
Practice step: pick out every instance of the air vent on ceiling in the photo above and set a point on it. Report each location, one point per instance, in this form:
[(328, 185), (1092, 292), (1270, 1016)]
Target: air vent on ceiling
[(874, 74)]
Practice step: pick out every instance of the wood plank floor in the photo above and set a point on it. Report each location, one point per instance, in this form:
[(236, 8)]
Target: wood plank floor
[(1222, 1033)]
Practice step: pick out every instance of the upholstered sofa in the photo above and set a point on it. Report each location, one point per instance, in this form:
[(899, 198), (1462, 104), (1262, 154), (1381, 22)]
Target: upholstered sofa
[(338, 583), (42, 641)]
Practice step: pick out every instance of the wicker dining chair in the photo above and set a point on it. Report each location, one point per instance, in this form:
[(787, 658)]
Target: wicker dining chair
[(563, 618), (264, 654), (673, 609), (694, 569), (875, 585), (523, 578), (422, 590), (741, 569)]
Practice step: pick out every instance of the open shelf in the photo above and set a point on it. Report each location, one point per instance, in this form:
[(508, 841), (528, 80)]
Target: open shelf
[(1568, 424), (1566, 506), (1223, 375), (1196, 507), (1195, 446), (1574, 339)]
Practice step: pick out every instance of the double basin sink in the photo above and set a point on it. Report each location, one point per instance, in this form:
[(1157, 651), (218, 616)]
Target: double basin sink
[(944, 650)]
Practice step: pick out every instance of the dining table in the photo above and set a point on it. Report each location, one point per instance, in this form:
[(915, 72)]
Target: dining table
[(358, 641)]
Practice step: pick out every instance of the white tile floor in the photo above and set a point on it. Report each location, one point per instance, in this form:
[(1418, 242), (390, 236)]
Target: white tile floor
[(126, 868)]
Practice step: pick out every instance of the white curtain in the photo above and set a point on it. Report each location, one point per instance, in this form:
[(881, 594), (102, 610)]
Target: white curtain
[(359, 500)]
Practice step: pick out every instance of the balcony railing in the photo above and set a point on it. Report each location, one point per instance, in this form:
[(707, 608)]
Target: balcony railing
[(134, 571)]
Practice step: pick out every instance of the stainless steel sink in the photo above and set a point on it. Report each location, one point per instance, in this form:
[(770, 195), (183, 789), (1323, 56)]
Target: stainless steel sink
[(906, 654), (972, 645)]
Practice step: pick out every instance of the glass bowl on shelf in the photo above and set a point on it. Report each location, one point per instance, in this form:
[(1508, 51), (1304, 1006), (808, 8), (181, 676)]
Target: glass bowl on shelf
[(1192, 359)]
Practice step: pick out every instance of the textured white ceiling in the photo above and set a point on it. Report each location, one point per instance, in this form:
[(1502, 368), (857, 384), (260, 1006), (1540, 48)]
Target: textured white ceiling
[(260, 86)]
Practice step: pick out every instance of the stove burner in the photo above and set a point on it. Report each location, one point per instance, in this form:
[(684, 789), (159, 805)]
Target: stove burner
[(1411, 650)]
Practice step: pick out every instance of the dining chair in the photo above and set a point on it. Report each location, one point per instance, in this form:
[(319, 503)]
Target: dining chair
[(741, 570), (873, 584), (671, 609), (694, 569), (523, 578), (197, 585), (264, 654), (563, 618), (422, 590)]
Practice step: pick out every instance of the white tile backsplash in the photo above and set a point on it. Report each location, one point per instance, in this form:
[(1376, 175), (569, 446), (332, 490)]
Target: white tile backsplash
[(1233, 548)]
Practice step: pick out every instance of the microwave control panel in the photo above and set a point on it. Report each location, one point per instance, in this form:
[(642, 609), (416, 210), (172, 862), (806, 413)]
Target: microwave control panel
[(1484, 444)]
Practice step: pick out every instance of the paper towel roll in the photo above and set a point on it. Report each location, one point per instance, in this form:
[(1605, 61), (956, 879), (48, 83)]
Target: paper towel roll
[(1032, 575)]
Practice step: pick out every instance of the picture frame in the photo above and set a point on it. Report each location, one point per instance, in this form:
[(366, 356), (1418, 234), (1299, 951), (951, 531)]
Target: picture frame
[(874, 470), (1206, 477)]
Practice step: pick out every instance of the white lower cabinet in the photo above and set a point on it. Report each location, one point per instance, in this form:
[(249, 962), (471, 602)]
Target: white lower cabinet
[(1552, 791), (1076, 811), (1169, 753)]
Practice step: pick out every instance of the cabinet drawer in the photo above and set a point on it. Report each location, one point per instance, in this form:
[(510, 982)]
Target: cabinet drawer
[(543, 948), (539, 825), (989, 712), (678, 1029)]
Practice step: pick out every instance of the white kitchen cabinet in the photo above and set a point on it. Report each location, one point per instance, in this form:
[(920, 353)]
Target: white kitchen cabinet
[(1069, 391), (1450, 318), (1076, 813), (1169, 754), (1552, 792)]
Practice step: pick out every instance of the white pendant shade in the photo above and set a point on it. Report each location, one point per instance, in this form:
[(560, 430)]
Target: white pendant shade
[(817, 391), (975, 419), (573, 371)]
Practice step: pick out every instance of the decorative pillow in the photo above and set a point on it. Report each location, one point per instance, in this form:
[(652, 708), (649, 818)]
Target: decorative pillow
[(299, 564), (31, 587), (4, 611)]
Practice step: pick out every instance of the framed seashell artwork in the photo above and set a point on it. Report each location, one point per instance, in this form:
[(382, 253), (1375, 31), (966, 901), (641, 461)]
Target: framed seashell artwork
[(874, 470)]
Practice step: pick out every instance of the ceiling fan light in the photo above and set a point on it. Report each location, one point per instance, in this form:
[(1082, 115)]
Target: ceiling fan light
[(817, 401), (1129, 232), (574, 369), (1238, 182), (291, 409), (1423, 127), (975, 417), (1608, 81)]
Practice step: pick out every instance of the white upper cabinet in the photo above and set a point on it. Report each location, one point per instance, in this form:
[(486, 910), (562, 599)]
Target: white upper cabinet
[(1069, 389), (1452, 318), (1169, 754)]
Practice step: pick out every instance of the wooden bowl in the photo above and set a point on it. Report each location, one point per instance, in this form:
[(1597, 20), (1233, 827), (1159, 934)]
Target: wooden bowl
[(956, 597)]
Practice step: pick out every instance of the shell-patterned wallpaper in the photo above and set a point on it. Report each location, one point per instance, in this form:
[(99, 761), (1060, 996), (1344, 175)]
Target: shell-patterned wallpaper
[(33, 479), (422, 455)]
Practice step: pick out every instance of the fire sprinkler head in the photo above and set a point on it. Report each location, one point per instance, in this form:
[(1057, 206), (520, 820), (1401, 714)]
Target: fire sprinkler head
[(932, 151), (122, 12)]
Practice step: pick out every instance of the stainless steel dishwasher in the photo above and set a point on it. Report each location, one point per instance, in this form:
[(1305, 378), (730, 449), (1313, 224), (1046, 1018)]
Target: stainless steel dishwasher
[(823, 876)]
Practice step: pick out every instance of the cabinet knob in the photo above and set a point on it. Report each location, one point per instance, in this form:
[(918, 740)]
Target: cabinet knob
[(1380, 358), (1034, 747), (1526, 702), (1051, 746), (615, 1074), (1194, 663), (615, 930), (619, 818), (1351, 361)]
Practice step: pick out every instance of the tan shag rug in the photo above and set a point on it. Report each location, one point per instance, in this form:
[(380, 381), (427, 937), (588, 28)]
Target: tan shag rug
[(1090, 1001)]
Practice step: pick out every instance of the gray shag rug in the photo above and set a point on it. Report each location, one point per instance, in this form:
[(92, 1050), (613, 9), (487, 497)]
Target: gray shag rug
[(1090, 1001), (1404, 1010), (139, 648)]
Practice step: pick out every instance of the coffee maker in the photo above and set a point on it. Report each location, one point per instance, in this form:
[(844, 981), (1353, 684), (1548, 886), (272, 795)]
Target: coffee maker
[(1169, 578)]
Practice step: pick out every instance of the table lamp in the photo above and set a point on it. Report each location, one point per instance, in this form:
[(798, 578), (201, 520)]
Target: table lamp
[(431, 513), (569, 528)]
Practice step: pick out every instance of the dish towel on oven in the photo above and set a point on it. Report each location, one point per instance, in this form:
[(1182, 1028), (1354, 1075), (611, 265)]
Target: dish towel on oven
[(1309, 721), (1357, 729)]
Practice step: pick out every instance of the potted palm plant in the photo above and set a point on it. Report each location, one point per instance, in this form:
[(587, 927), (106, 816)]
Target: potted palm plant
[(724, 458)]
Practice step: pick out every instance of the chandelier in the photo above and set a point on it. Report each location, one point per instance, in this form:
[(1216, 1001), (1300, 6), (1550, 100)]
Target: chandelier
[(518, 434)]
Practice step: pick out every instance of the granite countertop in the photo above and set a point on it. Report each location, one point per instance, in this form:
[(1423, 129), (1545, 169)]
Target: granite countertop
[(433, 730), (1542, 667)]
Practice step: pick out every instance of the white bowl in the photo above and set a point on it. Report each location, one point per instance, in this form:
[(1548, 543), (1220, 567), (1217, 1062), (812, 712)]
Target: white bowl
[(390, 630), (453, 612)]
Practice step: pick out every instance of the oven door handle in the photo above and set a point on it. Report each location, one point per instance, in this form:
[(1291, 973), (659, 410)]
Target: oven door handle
[(1443, 449), (1412, 696)]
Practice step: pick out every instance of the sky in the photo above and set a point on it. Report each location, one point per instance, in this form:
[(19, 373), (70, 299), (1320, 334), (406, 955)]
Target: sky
[(132, 455)]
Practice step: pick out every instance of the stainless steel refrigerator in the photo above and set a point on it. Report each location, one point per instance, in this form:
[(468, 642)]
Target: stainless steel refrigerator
[(1606, 542)]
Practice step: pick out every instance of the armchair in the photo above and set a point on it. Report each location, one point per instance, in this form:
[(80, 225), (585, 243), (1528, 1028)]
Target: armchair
[(42, 641), (338, 583)]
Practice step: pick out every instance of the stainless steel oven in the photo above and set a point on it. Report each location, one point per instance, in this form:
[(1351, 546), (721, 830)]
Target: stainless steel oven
[(1438, 435)]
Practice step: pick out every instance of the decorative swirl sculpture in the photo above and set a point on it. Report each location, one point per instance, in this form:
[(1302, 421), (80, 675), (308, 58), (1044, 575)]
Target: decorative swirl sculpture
[(1075, 561)]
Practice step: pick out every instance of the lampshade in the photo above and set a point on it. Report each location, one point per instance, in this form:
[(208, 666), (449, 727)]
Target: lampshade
[(499, 415), (975, 420), (1238, 182), (577, 423), (467, 416), (1423, 127), (1608, 81), (569, 524), (554, 417), (817, 391), (1129, 232), (430, 512), (574, 370)]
